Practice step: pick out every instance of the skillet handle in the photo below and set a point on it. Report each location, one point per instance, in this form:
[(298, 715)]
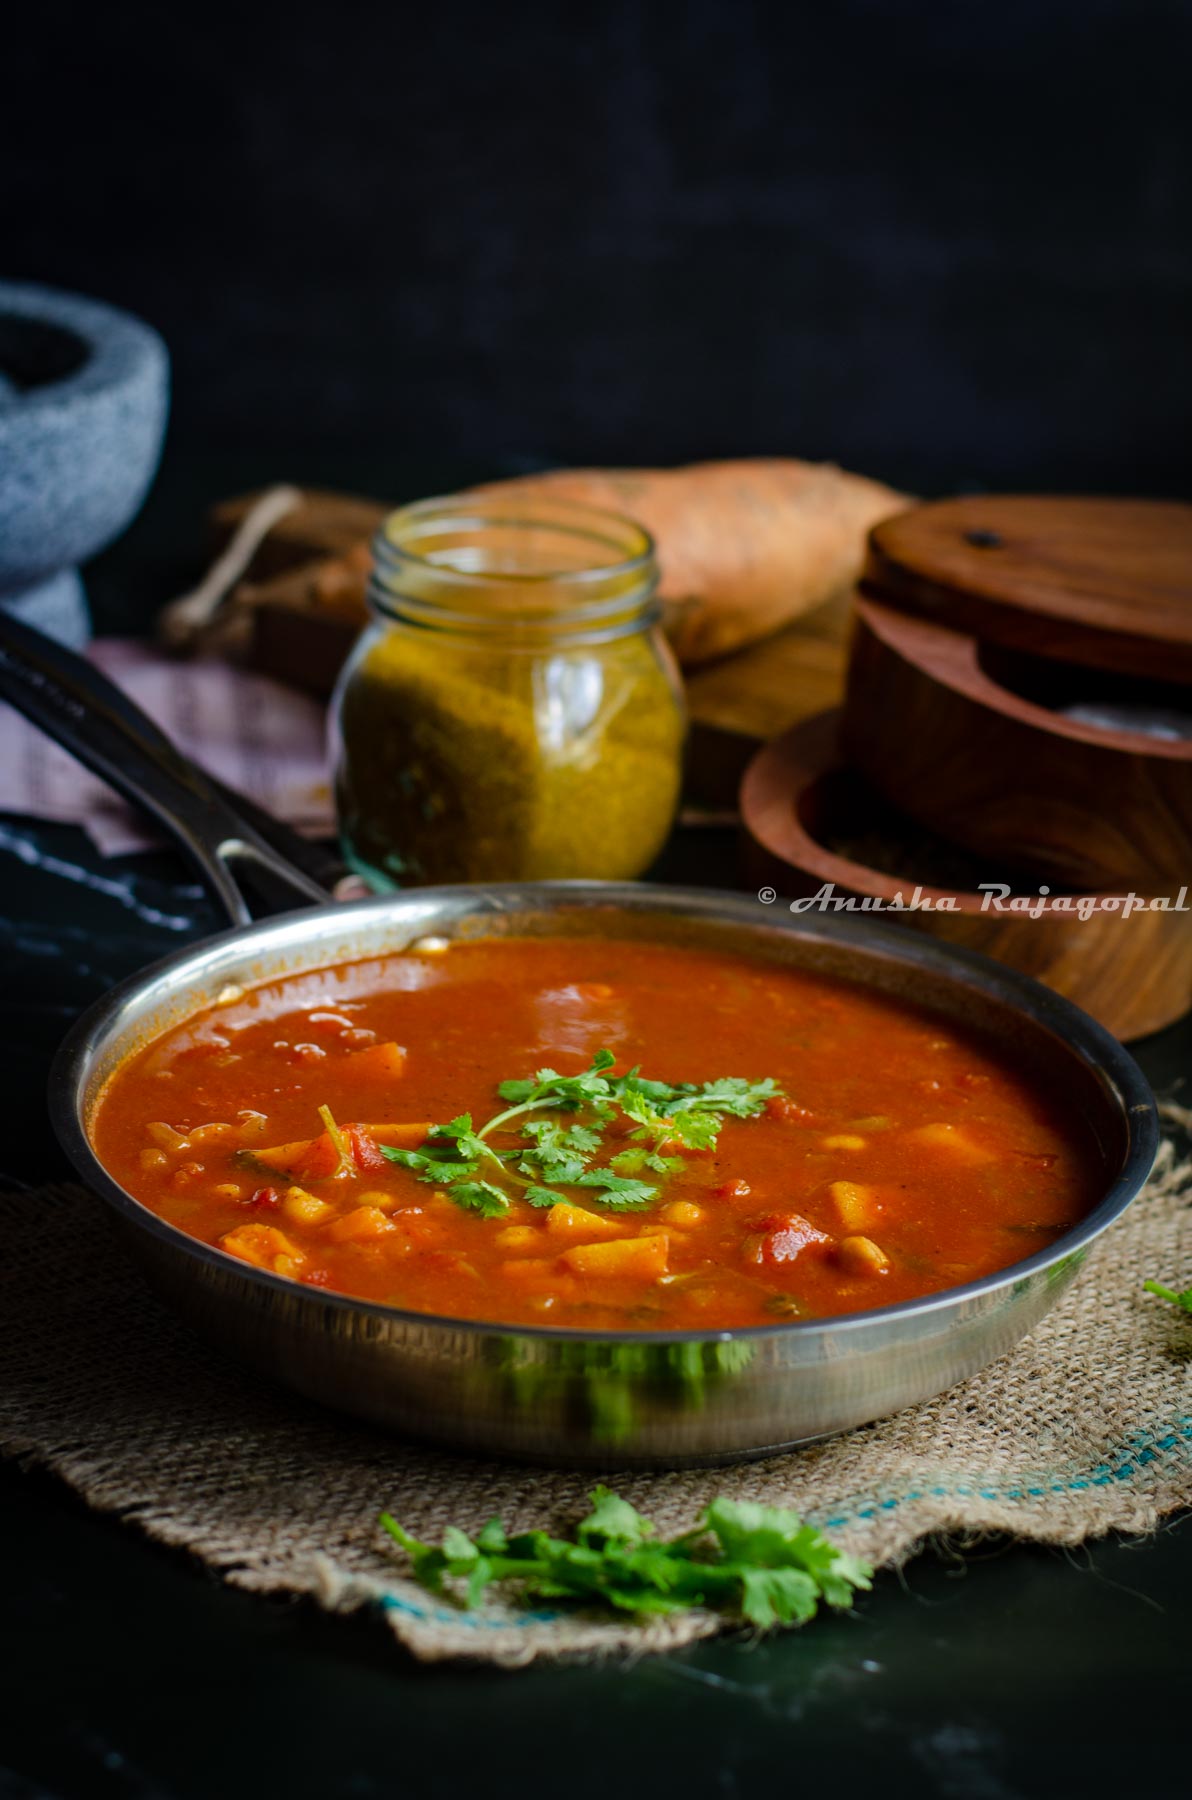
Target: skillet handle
[(75, 704)]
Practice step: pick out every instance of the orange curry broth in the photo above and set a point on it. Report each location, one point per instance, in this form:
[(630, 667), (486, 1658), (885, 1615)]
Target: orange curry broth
[(899, 1132)]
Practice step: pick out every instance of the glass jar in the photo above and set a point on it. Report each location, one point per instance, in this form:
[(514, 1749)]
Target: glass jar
[(513, 712)]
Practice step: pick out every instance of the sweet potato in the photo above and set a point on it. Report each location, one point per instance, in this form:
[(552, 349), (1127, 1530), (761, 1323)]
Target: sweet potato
[(385, 1061), (635, 1259), (744, 547)]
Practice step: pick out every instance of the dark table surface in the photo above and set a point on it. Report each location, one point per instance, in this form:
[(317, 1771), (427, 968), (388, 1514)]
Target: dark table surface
[(131, 1673)]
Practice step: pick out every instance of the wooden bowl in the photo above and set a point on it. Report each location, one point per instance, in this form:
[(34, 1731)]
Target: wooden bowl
[(978, 743), (812, 821)]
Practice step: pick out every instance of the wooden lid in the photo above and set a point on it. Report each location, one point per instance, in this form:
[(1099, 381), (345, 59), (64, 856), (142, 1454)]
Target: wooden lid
[(1104, 583)]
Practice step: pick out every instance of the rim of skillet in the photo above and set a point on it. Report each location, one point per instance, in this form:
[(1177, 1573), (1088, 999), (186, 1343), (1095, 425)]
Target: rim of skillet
[(1091, 1042)]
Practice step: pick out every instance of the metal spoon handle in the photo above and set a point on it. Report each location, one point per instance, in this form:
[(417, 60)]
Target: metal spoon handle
[(75, 704)]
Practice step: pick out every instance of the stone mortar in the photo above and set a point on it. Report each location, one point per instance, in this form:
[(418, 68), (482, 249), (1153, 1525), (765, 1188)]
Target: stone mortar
[(84, 392)]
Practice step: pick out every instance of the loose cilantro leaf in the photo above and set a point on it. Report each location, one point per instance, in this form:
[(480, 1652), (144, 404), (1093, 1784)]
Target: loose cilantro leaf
[(480, 1197), (738, 1098), (612, 1521), (761, 1562), (772, 1597), (457, 1178), (543, 1196), (691, 1115), (469, 1147), (1182, 1299), (694, 1130), (620, 1192), (573, 1090)]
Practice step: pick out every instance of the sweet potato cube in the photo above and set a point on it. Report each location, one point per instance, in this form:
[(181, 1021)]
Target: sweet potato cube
[(567, 1221), (853, 1203), (378, 1197), (360, 1225), (385, 1061), (302, 1208), (265, 1247), (519, 1237), (953, 1138), (625, 1259), (401, 1136)]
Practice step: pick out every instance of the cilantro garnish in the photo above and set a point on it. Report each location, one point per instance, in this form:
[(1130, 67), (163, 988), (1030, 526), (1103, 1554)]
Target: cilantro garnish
[(762, 1562), (1183, 1299), (551, 1155)]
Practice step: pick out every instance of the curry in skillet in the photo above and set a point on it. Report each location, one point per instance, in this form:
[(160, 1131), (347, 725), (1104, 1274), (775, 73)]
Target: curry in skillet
[(593, 1134)]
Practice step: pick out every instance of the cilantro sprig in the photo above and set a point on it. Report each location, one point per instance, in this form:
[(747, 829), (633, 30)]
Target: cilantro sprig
[(552, 1156), (1182, 1299), (760, 1562)]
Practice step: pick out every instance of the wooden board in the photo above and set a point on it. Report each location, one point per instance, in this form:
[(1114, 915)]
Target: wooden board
[(739, 703), (1105, 583)]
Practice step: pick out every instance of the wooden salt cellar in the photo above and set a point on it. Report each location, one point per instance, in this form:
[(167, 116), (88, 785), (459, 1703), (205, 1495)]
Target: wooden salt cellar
[(1020, 687)]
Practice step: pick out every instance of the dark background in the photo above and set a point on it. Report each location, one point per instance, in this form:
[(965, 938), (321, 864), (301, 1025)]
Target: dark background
[(945, 243), (395, 249)]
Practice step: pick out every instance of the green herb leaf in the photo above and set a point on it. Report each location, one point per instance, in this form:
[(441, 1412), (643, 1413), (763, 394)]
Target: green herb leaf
[(548, 1084), (544, 1196), (619, 1192), (612, 1521), (632, 1162), (555, 1155), (1182, 1299), (479, 1197), (469, 1147), (762, 1562), (772, 1597)]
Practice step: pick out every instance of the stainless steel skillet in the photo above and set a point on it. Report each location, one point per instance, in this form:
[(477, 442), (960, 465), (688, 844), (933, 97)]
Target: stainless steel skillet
[(649, 1399)]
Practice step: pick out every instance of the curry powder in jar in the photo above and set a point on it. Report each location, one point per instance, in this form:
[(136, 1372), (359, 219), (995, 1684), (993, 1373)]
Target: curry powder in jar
[(512, 713)]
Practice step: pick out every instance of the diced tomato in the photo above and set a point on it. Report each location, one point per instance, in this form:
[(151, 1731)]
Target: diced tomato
[(732, 1190), (786, 1236), (263, 1199), (366, 1153)]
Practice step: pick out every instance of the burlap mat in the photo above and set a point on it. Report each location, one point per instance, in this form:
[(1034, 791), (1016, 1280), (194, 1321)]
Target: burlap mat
[(1085, 1428)]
